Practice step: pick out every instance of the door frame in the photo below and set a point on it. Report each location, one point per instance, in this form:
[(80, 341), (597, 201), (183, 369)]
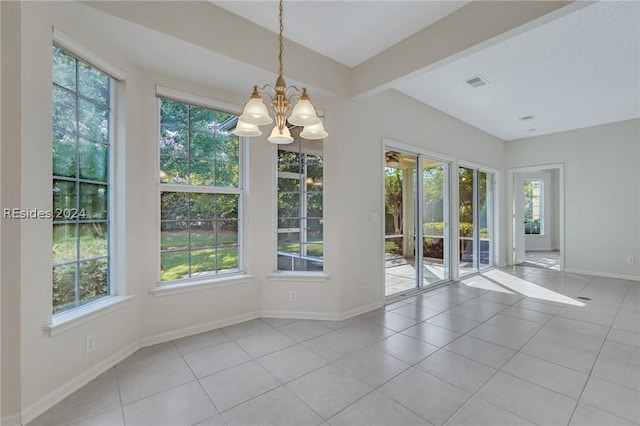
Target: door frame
[(512, 242), (389, 144)]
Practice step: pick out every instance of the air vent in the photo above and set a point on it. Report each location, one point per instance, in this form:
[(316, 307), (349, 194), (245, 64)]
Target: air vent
[(528, 118), (477, 81)]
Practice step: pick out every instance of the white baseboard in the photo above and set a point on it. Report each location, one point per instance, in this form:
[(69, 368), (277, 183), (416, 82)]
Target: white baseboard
[(360, 310), (318, 316), (48, 401), (322, 316), (604, 274), (199, 328), (13, 420)]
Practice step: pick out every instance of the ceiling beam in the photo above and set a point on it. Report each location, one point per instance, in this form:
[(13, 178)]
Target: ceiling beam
[(470, 28), (211, 27)]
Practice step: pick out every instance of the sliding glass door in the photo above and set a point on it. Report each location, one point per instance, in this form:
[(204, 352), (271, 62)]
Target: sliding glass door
[(476, 219), (416, 221), (435, 221)]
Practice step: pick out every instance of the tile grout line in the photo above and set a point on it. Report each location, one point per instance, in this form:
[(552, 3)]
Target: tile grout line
[(475, 394), (596, 360), (416, 297)]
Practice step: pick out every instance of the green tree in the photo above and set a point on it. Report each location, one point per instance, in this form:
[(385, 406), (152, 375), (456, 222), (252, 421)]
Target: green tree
[(80, 150), (393, 196), (196, 147)]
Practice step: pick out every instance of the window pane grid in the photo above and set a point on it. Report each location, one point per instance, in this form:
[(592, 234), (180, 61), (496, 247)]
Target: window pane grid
[(187, 134), (300, 242), (81, 221), (200, 192), (533, 207)]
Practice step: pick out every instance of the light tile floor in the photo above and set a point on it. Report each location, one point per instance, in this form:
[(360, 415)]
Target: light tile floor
[(543, 259), (511, 346)]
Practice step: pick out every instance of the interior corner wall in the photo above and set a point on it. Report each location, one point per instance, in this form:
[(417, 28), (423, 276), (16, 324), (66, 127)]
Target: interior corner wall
[(358, 128), (41, 386), (602, 202), (146, 319), (10, 136)]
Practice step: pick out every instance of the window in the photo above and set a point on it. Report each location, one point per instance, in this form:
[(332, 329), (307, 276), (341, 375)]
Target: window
[(200, 192), (82, 123), (533, 207), (300, 246)]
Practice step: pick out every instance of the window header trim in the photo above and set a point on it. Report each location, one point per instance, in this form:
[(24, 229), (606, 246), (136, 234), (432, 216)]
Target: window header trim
[(63, 40), (198, 101)]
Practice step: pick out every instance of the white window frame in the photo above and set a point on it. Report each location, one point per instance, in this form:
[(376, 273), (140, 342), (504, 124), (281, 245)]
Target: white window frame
[(164, 288), (311, 275), (117, 298)]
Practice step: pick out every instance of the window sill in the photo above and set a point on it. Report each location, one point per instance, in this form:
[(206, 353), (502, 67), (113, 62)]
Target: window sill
[(185, 287), (299, 276), (67, 320)]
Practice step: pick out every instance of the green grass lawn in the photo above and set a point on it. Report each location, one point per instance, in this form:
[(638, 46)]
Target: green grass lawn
[(199, 238), (312, 249), (175, 265)]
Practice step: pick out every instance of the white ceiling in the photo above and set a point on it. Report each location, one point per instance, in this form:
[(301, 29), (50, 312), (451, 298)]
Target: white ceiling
[(579, 70), (349, 32)]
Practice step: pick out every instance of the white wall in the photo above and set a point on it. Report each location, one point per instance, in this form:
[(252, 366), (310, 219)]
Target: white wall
[(10, 137), (40, 369), (602, 203)]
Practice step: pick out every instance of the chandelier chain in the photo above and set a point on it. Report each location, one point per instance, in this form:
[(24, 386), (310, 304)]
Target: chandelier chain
[(280, 71)]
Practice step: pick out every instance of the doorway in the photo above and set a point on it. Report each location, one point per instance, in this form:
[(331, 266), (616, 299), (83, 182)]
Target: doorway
[(417, 243), (537, 207)]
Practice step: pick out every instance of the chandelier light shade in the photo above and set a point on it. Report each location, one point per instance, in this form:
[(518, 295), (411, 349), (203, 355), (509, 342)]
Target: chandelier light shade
[(256, 113), (280, 136), (247, 129), (304, 113), (314, 131)]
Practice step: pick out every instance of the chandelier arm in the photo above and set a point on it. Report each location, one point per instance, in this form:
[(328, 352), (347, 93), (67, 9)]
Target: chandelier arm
[(267, 86), (293, 96), (295, 88), (262, 92)]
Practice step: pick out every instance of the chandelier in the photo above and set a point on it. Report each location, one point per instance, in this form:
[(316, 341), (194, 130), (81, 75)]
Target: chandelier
[(281, 97)]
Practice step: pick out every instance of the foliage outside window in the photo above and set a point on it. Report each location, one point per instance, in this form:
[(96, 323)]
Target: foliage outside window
[(200, 192), (532, 206), (300, 206), (81, 181), (393, 199)]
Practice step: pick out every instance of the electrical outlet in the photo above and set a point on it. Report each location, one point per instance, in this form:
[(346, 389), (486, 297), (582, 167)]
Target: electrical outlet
[(631, 259), (292, 296), (91, 343)]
